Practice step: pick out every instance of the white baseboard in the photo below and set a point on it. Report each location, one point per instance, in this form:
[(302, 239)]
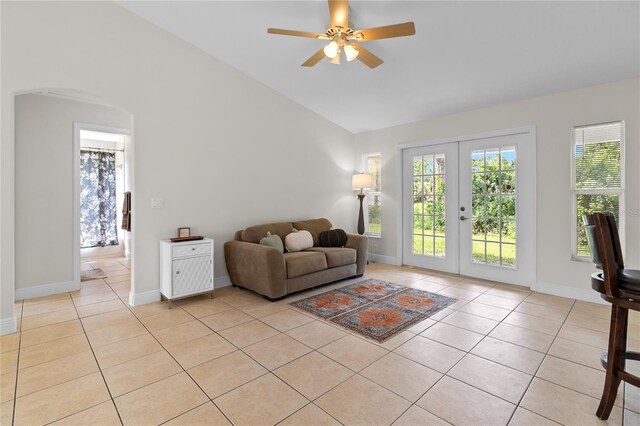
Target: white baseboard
[(8, 325), (389, 260), (223, 281), (46, 290), (584, 294), (137, 299)]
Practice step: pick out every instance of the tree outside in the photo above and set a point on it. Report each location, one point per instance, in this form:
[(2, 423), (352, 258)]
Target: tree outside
[(597, 168), (493, 206)]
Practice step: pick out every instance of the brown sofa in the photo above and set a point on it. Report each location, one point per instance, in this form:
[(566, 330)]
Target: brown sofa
[(273, 274)]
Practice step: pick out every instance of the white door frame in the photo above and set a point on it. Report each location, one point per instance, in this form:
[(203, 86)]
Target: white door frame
[(530, 130), (77, 127)]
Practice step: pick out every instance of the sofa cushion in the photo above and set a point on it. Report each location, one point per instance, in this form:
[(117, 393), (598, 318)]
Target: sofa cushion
[(273, 241), (315, 227), (298, 241), (253, 234), (336, 256), (304, 262)]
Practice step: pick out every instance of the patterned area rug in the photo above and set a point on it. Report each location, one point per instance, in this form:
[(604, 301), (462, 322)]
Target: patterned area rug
[(94, 274), (375, 309)]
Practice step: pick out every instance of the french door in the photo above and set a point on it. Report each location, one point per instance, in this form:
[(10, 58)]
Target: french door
[(430, 203), (469, 207)]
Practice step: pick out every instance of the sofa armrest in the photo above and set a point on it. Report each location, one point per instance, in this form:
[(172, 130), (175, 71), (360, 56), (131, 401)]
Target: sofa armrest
[(257, 267), (361, 244)]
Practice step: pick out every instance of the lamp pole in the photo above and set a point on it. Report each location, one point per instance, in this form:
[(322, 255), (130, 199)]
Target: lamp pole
[(361, 214)]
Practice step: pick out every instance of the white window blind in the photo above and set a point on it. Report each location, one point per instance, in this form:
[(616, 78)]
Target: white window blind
[(597, 177)]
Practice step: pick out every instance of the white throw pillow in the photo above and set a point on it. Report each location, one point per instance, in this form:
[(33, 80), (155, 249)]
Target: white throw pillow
[(298, 241)]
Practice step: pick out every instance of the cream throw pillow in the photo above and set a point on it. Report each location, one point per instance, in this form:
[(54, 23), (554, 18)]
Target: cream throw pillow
[(298, 241)]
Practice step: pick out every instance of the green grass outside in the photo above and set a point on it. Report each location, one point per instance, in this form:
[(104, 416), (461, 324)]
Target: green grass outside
[(375, 228), (493, 249)]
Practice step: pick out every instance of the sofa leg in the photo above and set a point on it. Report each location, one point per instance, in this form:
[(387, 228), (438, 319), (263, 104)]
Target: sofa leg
[(358, 275), (274, 299)]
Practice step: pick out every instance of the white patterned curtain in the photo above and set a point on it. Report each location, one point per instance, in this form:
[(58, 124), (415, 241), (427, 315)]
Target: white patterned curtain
[(98, 218)]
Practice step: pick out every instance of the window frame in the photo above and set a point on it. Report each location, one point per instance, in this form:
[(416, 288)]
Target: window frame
[(575, 191), (372, 193)]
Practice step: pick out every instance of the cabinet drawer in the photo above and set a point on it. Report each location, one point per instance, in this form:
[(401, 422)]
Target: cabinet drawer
[(191, 250)]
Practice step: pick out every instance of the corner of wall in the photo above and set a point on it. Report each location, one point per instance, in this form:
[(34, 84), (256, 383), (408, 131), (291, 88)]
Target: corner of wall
[(8, 325), (46, 290), (137, 299), (223, 281)]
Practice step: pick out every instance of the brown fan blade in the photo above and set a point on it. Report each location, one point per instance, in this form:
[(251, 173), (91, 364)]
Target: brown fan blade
[(366, 57), (389, 31), (294, 33), (339, 11), (314, 59)]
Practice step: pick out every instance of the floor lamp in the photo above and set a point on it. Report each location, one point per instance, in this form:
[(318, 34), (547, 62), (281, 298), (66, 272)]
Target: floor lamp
[(361, 181)]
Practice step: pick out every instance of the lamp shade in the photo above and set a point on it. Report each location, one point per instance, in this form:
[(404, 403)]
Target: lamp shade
[(361, 181), (350, 52), (331, 50)]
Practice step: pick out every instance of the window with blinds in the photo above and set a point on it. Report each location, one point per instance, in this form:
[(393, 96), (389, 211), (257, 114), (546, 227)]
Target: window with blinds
[(373, 166), (597, 177)]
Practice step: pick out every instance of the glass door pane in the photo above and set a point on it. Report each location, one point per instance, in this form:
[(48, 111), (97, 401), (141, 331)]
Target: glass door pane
[(429, 200), (493, 206)]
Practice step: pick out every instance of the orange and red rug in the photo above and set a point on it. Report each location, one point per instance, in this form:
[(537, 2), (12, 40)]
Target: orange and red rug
[(375, 309)]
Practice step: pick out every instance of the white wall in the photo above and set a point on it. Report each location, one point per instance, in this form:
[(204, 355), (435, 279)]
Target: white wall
[(554, 116), (43, 128), (221, 149)]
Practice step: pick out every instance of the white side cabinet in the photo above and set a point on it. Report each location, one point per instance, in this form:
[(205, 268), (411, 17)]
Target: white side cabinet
[(186, 268)]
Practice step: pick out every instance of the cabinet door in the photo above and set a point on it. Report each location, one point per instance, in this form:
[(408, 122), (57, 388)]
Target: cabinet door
[(191, 275)]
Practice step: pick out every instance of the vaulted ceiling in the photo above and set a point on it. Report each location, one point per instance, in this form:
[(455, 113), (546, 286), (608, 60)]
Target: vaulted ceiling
[(464, 55)]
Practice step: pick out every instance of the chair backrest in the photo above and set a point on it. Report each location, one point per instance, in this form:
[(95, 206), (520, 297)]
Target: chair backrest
[(606, 251)]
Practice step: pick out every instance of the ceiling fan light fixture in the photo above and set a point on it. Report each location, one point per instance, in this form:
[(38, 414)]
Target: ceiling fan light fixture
[(331, 50), (341, 35), (350, 52)]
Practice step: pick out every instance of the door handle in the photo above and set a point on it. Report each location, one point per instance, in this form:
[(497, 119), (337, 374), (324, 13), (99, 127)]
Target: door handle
[(463, 218)]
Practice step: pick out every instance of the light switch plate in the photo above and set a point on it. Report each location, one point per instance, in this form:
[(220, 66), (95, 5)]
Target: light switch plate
[(157, 203)]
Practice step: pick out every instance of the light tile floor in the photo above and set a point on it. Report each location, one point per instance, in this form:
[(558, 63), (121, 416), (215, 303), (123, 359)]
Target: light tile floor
[(500, 355)]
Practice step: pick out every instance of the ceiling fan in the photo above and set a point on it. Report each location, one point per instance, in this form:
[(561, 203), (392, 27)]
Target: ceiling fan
[(345, 39)]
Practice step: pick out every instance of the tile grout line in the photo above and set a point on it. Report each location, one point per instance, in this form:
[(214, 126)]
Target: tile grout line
[(176, 361), (15, 389), (534, 375), (169, 353), (94, 356), (445, 374), (358, 373), (517, 405), (305, 406), (311, 401), (188, 411), (104, 380)]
